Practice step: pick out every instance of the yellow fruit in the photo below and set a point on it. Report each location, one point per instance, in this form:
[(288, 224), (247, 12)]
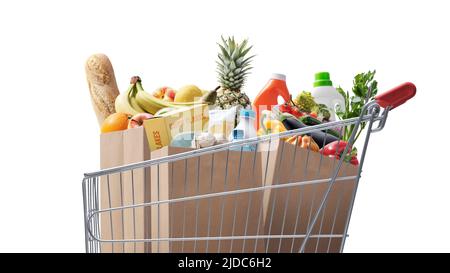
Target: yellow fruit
[(260, 132), (269, 123), (274, 126), (278, 129), (188, 93), (115, 122)]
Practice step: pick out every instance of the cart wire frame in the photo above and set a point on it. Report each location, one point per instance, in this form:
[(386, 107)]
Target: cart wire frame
[(371, 115)]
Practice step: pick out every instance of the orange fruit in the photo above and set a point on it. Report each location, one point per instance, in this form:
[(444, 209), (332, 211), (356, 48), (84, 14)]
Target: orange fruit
[(115, 122)]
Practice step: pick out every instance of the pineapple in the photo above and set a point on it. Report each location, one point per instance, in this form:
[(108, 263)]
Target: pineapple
[(232, 67)]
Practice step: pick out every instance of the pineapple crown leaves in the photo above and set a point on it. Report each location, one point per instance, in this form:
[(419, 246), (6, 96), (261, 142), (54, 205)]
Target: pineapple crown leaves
[(233, 65)]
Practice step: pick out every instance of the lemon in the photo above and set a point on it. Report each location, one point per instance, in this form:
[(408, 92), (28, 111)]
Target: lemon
[(188, 93)]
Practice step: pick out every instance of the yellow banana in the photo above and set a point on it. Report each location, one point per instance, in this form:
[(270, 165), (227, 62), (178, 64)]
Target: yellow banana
[(123, 105), (135, 105), (126, 102), (151, 104)]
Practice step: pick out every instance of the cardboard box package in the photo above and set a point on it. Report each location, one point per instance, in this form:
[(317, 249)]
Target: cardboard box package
[(160, 130)]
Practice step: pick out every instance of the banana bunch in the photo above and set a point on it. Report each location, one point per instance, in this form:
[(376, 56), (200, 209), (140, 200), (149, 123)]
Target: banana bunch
[(148, 102), (135, 100), (126, 102)]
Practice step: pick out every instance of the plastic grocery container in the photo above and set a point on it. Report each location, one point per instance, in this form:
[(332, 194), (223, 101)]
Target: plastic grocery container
[(324, 93), (268, 96), (245, 129)]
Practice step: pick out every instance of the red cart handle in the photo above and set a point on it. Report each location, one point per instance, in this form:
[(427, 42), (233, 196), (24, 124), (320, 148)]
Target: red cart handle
[(397, 95)]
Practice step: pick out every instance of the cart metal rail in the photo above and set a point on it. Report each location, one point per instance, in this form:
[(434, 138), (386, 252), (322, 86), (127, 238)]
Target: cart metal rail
[(278, 198)]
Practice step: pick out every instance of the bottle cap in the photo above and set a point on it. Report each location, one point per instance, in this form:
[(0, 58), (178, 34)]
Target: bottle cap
[(276, 76), (248, 113), (322, 79)]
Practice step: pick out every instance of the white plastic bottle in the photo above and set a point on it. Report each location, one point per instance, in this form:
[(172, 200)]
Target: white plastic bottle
[(324, 93), (245, 129)]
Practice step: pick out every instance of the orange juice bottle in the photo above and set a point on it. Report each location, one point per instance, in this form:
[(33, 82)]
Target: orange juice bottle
[(268, 96)]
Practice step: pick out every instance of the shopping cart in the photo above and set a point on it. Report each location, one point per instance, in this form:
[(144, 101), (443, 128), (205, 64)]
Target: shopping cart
[(278, 197)]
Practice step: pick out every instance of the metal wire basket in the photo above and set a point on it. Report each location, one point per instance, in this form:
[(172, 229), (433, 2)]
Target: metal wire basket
[(278, 197)]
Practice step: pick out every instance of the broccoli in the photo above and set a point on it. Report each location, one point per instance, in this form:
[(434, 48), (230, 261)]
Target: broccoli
[(305, 101)]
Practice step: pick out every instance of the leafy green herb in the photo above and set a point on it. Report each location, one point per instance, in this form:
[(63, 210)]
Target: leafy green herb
[(362, 83)]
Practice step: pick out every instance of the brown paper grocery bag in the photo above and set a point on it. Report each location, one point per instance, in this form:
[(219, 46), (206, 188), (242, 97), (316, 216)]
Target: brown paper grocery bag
[(191, 225), (289, 210), (124, 188), (218, 216)]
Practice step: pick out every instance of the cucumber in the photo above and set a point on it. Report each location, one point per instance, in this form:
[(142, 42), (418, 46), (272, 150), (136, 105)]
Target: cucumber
[(333, 133), (308, 120)]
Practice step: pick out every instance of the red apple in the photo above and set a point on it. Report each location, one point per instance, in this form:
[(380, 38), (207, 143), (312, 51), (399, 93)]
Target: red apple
[(169, 94), (138, 119)]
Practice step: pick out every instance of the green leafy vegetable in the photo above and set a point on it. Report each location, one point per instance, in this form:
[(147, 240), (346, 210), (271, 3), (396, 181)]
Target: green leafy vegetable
[(305, 101), (362, 83), (322, 110)]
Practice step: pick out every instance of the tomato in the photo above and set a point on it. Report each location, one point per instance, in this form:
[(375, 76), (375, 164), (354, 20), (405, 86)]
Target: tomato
[(297, 113), (285, 108), (313, 114)]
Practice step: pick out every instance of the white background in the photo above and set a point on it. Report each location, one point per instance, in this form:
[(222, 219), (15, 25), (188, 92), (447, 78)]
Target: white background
[(50, 135)]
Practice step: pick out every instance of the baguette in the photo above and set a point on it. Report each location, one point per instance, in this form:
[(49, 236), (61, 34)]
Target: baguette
[(102, 85)]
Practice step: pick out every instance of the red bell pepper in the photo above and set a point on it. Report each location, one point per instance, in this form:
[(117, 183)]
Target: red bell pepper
[(354, 161), (336, 149)]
